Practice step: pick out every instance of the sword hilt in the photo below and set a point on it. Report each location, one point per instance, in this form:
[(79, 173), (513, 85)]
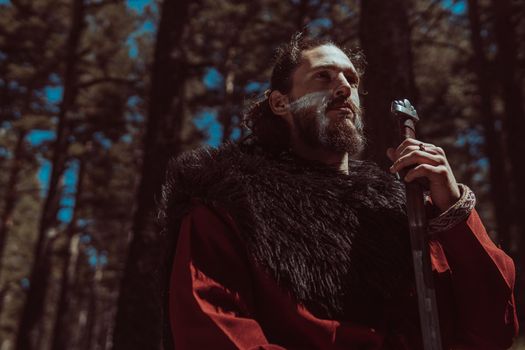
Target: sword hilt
[(406, 116)]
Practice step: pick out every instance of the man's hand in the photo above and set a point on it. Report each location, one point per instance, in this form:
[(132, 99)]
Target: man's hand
[(430, 162)]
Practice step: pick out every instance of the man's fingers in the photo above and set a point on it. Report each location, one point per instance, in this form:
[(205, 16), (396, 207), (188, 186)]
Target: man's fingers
[(412, 144), (402, 146), (428, 171), (416, 157), (408, 150)]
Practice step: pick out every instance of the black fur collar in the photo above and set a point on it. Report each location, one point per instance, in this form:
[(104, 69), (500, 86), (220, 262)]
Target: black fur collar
[(336, 242)]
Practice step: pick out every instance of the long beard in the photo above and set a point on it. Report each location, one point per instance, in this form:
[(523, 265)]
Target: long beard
[(317, 130)]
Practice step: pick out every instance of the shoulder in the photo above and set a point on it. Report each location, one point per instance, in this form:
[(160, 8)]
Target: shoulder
[(209, 231), (205, 216), (205, 166), (208, 158), (196, 173)]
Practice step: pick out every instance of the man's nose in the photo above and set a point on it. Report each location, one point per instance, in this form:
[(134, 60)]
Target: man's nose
[(342, 88)]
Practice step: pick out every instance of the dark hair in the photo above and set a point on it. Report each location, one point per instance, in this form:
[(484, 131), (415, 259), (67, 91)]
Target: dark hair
[(268, 129)]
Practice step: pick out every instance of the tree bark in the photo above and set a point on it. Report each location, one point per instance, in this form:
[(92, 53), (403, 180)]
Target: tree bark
[(79, 316), (233, 98), (139, 316), (499, 190), (385, 39), (508, 74), (92, 309), (11, 194), (35, 299), (61, 329), (227, 109), (302, 15)]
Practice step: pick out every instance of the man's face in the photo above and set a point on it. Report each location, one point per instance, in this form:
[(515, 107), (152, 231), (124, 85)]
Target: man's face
[(325, 106)]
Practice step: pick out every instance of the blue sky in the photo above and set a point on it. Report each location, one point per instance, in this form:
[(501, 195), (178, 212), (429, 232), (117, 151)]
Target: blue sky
[(137, 5), (148, 26), (53, 93), (458, 7)]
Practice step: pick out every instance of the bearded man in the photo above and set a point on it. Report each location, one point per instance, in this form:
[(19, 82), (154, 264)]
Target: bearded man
[(287, 241)]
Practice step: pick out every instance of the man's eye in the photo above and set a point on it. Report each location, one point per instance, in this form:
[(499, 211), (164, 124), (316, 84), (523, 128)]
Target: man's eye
[(323, 75), (352, 80)]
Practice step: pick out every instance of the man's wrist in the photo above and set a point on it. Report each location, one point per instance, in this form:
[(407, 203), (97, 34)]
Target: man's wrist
[(457, 213)]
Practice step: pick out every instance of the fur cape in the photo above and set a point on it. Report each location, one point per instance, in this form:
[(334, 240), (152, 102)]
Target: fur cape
[(333, 241)]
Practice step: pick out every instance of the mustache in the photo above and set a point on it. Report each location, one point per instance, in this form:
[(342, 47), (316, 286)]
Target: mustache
[(343, 101), (323, 101)]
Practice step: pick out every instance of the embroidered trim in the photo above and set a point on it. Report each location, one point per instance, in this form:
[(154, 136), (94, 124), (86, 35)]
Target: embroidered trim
[(456, 213)]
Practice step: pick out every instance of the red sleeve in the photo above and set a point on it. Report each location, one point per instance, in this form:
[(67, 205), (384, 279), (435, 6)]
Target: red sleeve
[(211, 299), (481, 277)]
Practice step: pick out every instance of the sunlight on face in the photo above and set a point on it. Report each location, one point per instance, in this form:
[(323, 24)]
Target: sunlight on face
[(314, 104), (325, 104)]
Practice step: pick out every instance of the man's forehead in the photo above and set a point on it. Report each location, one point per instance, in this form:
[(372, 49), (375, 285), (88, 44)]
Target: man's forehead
[(326, 55)]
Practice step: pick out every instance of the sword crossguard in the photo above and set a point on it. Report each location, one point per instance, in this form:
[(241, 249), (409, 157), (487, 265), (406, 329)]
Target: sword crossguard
[(403, 108), (406, 117)]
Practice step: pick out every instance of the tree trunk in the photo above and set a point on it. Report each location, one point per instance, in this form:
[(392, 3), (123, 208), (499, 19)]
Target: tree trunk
[(232, 98), (301, 10), (139, 316), (11, 194), (61, 327), (35, 299), (227, 109), (226, 119), (499, 190), (385, 39), (78, 316), (507, 60), (92, 309)]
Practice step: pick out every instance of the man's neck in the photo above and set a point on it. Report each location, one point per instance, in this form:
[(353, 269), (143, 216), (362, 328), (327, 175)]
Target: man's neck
[(334, 159)]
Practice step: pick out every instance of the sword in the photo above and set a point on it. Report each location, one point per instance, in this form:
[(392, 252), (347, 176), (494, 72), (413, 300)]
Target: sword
[(407, 118)]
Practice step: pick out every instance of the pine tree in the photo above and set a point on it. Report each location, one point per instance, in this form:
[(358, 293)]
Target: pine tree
[(385, 39), (493, 143), (510, 79), (138, 322)]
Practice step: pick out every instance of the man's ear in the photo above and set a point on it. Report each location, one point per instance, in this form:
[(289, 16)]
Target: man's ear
[(279, 103)]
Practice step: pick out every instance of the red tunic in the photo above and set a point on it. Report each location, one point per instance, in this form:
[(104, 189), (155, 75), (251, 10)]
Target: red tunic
[(220, 299)]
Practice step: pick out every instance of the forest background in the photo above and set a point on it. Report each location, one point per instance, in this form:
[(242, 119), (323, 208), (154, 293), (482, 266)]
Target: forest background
[(97, 95)]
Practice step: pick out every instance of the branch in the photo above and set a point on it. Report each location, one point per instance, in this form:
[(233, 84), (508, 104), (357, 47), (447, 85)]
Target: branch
[(445, 44), (90, 83), (98, 4)]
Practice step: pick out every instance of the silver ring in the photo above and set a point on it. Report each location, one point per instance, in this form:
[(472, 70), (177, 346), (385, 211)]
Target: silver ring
[(422, 147)]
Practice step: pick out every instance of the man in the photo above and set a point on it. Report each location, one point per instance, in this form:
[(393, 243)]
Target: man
[(285, 241)]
